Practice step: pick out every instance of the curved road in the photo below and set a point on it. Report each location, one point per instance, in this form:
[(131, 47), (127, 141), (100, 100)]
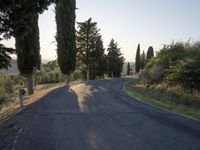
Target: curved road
[(97, 115)]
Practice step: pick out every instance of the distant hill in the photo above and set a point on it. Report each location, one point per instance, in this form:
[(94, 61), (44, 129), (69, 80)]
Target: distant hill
[(13, 68)]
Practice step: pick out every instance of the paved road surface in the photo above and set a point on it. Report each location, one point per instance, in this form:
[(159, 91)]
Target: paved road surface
[(97, 115)]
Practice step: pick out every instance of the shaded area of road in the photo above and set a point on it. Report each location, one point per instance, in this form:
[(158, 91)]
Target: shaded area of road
[(97, 115)]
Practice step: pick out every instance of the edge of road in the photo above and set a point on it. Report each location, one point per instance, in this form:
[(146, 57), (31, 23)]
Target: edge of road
[(181, 118), (36, 100)]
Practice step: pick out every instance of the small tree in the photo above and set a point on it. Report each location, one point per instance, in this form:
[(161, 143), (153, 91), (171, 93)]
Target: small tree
[(137, 60), (142, 60), (150, 53), (128, 69)]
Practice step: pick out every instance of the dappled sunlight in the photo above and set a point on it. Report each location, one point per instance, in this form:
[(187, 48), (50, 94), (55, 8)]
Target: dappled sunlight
[(83, 91)]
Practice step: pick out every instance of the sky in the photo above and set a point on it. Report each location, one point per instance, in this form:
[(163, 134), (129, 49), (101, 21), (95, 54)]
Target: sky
[(129, 22)]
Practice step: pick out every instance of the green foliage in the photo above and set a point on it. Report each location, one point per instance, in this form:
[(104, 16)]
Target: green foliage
[(115, 59), (14, 15), (6, 87), (66, 45), (137, 60), (50, 73), (180, 65)]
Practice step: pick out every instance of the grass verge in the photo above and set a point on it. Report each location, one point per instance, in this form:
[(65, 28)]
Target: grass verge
[(150, 97)]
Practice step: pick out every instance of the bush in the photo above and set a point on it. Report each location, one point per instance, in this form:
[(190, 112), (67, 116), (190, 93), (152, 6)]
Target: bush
[(156, 74), (144, 76), (178, 63)]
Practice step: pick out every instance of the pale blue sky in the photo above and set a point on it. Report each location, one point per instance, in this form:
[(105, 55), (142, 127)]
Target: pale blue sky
[(129, 22)]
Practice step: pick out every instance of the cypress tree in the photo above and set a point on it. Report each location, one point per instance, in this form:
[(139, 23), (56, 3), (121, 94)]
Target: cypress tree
[(142, 60), (137, 60), (66, 44), (128, 69), (150, 53), (28, 51)]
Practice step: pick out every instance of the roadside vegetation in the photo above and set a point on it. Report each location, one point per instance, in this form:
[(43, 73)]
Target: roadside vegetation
[(171, 79)]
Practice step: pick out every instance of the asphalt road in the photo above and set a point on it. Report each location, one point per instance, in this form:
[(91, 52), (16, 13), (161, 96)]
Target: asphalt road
[(97, 115)]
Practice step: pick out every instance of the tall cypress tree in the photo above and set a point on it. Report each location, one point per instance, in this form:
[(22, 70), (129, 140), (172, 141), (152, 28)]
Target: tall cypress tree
[(65, 37), (137, 60), (28, 51), (150, 53)]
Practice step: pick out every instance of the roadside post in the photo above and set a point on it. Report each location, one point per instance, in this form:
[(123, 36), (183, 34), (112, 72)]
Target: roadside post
[(21, 97)]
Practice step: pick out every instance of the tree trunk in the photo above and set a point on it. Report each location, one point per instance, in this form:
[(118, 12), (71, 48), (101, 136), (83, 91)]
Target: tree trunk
[(68, 81), (112, 74), (30, 84), (88, 73)]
